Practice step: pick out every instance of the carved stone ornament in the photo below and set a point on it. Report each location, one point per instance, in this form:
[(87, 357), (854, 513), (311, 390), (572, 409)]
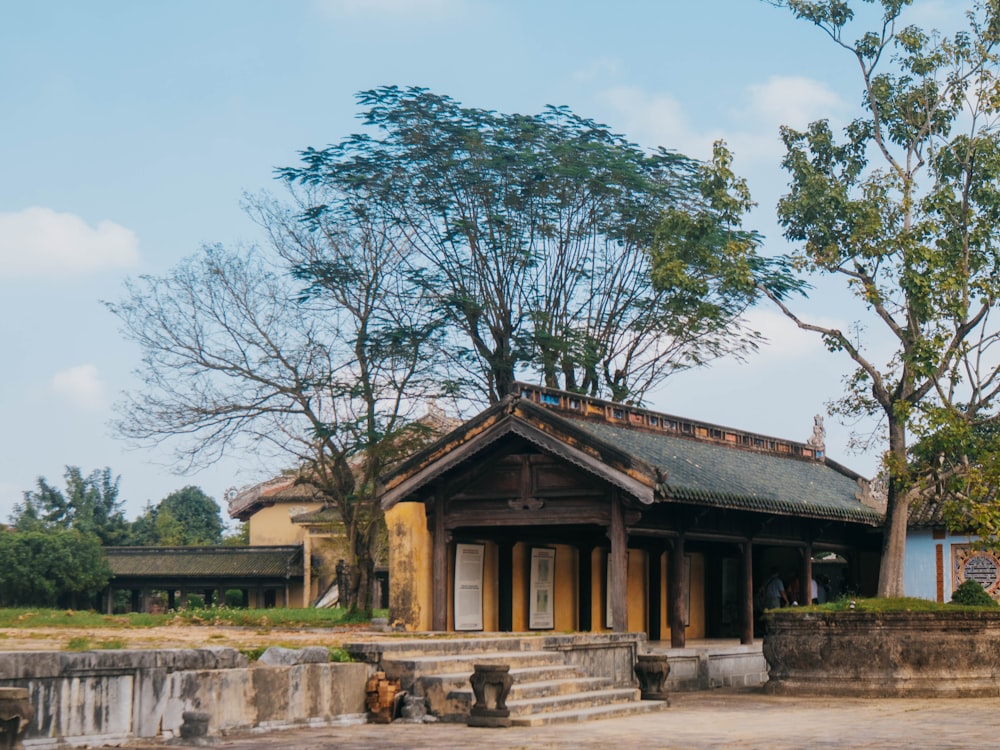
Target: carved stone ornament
[(491, 684), (818, 438), (526, 503), (16, 713)]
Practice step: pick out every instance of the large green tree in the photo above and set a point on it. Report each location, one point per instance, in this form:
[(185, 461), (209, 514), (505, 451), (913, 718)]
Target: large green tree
[(89, 504), (532, 235), (903, 206), (56, 567), (187, 517)]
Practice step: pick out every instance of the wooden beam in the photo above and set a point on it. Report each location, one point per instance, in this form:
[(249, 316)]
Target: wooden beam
[(654, 558), (746, 611), (677, 594), (439, 568), (618, 561)]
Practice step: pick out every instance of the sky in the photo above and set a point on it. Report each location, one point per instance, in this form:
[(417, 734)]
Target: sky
[(129, 132)]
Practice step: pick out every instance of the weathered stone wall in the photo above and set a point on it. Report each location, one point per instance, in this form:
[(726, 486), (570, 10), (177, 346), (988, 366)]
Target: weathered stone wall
[(890, 654), (111, 697)]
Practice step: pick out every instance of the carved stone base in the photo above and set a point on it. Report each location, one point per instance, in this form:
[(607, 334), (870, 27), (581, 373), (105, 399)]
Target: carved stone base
[(16, 713), (652, 671), (491, 685)]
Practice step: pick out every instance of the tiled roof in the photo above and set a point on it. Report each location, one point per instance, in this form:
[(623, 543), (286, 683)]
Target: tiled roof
[(926, 513), (711, 474), (668, 459), (200, 562)]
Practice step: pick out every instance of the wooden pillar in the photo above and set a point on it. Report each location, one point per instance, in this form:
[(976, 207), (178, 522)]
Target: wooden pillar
[(806, 576), (585, 577), (439, 568), (618, 562), (505, 585), (654, 628), (746, 610), (677, 594)]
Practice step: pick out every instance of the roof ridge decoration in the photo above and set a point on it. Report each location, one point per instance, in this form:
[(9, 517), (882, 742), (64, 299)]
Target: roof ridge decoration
[(579, 406)]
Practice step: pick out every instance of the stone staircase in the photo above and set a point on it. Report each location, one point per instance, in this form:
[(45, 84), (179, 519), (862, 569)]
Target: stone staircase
[(546, 689)]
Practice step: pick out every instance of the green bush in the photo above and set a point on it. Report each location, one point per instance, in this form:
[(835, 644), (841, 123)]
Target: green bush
[(972, 594)]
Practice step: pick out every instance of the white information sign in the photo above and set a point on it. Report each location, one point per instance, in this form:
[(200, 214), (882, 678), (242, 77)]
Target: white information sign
[(469, 586), (542, 589)]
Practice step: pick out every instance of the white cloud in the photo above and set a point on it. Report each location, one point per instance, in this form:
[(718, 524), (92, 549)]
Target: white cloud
[(40, 242), (598, 70), (790, 100), (81, 386), (657, 119)]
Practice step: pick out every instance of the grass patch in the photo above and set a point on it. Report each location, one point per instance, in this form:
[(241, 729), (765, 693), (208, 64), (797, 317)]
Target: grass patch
[(262, 619), (902, 604)]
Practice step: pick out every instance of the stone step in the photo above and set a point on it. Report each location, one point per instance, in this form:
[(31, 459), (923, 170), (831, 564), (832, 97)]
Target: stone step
[(571, 701), (449, 696), (405, 647), (565, 686), (409, 669), (606, 711)]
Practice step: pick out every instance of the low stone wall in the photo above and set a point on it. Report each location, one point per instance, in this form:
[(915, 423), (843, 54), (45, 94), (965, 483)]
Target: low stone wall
[(716, 666), (611, 655), (891, 654), (112, 697)]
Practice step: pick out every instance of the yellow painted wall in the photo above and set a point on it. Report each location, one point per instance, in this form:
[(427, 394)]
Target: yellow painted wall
[(637, 587), (491, 614), (270, 526), (566, 601), (410, 575), (522, 561), (696, 613)]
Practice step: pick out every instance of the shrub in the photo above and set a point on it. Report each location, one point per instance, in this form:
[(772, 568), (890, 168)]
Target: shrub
[(972, 594)]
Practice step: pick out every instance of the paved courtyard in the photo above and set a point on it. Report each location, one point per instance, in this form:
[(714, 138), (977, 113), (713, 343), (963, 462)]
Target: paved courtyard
[(710, 719)]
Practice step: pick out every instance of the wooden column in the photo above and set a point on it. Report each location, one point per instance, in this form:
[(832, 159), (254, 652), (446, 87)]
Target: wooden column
[(618, 563), (505, 586), (585, 578), (746, 610), (677, 594), (654, 629), (439, 568), (805, 577)]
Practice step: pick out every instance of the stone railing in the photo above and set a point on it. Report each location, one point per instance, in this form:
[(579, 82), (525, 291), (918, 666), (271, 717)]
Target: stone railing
[(112, 697)]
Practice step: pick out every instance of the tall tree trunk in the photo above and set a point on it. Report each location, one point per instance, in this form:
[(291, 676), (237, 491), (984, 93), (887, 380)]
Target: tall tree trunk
[(890, 579)]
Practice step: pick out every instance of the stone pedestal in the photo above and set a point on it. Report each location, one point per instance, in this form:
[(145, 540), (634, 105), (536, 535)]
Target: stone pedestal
[(491, 685), (652, 671), (16, 712)]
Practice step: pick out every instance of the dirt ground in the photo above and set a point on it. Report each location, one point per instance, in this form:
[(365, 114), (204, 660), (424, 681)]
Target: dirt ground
[(176, 636)]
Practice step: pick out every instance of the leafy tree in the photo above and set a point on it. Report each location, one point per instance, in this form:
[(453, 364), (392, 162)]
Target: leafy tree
[(57, 567), (89, 505), (237, 354), (187, 517), (532, 236), (903, 208), (240, 536)]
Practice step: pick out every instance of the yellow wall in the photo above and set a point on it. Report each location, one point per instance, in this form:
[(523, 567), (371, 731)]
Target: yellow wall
[(270, 526), (410, 576), (637, 590), (566, 602), (696, 613)]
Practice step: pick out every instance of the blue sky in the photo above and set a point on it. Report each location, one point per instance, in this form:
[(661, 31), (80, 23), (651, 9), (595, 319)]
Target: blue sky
[(130, 131)]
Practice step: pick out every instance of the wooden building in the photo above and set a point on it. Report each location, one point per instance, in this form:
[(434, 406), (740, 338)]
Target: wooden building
[(551, 510), (166, 576)]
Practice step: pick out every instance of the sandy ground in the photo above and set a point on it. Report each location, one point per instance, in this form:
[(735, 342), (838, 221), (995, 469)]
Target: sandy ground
[(177, 636)]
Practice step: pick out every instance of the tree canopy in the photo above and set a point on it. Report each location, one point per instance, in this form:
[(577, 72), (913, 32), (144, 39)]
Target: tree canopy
[(532, 236), (187, 517), (54, 567), (89, 505), (903, 207)]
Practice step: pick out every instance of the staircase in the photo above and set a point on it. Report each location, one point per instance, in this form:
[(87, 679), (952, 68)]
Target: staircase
[(546, 689)]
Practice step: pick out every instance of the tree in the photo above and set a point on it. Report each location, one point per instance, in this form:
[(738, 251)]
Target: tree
[(187, 517), (89, 505), (904, 209), (57, 567), (326, 374), (532, 236)]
